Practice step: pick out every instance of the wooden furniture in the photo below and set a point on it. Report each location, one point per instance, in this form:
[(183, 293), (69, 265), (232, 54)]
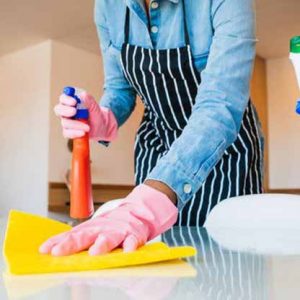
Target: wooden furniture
[(59, 195)]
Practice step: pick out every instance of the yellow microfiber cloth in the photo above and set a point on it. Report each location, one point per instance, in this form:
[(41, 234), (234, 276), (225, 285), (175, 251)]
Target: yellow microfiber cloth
[(25, 233)]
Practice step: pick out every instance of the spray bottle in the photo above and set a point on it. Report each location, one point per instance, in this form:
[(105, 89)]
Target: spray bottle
[(295, 58), (81, 189)]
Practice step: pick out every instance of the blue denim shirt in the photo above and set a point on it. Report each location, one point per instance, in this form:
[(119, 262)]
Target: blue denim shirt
[(222, 37)]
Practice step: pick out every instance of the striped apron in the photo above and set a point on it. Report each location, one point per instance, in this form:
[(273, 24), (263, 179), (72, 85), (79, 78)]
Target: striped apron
[(167, 81)]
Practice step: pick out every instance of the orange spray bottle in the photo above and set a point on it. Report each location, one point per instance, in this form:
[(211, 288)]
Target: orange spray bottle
[(81, 206)]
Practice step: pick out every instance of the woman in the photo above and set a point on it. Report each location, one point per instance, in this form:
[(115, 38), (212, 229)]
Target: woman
[(199, 141)]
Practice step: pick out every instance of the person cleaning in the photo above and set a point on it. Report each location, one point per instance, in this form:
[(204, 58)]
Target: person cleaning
[(199, 141)]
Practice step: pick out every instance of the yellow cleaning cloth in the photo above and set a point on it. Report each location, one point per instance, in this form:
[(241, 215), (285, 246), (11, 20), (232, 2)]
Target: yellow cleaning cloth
[(26, 232)]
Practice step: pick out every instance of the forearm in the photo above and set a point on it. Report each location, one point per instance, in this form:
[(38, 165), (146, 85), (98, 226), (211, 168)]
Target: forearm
[(163, 188), (121, 101)]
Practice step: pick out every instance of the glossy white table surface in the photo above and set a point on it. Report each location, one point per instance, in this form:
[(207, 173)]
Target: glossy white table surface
[(215, 273)]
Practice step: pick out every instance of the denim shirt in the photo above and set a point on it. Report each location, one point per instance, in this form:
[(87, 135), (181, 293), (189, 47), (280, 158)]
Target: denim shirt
[(222, 38)]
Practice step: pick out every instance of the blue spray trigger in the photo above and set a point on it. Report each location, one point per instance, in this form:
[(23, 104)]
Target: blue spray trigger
[(298, 107), (82, 112), (70, 91)]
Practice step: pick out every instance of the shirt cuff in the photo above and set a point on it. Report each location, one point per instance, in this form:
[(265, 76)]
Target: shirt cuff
[(184, 185)]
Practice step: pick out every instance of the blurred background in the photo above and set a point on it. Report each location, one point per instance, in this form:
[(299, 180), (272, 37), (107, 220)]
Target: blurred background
[(46, 45)]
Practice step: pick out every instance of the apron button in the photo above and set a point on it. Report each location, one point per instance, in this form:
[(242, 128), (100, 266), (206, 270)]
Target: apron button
[(187, 188), (154, 29), (154, 5)]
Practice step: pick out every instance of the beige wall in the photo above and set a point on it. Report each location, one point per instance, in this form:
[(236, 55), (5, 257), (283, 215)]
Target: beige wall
[(114, 165), (24, 123), (284, 124), (259, 98), (259, 92), (33, 151)]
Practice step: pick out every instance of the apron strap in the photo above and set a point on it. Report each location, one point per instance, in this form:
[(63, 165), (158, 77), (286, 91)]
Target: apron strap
[(126, 29), (127, 25), (186, 32)]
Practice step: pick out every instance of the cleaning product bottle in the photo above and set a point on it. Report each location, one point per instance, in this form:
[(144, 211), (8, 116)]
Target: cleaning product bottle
[(81, 189), (295, 58)]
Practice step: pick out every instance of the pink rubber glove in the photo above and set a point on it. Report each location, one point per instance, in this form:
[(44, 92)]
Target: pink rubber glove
[(102, 122), (144, 214)]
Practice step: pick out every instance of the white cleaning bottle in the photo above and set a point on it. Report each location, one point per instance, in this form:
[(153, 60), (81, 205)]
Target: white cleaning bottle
[(295, 58)]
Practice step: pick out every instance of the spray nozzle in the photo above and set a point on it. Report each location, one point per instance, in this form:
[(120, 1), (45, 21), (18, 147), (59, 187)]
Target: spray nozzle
[(298, 107), (82, 112), (71, 91)]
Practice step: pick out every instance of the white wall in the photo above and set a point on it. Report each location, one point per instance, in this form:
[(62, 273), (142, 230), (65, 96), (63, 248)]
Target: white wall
[(33, 151), (284, 125), (112, 165), (24, 123)]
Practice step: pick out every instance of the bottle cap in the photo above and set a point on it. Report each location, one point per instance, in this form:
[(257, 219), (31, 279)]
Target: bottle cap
[(295, 44)]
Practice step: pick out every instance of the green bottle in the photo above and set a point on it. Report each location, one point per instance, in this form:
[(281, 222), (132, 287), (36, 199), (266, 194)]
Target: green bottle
[(295, 55)]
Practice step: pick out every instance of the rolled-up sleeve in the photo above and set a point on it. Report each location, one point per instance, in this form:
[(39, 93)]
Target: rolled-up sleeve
[(118, 95), (220, 102)]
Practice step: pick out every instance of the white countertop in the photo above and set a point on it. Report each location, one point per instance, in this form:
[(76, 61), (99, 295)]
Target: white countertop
[(215, 273)]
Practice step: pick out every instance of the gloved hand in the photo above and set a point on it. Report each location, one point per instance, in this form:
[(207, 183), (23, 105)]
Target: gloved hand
[(102, 122), (143, 214)]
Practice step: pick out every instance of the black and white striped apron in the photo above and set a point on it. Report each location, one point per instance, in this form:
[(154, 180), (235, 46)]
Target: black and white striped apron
[(167, 82)]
